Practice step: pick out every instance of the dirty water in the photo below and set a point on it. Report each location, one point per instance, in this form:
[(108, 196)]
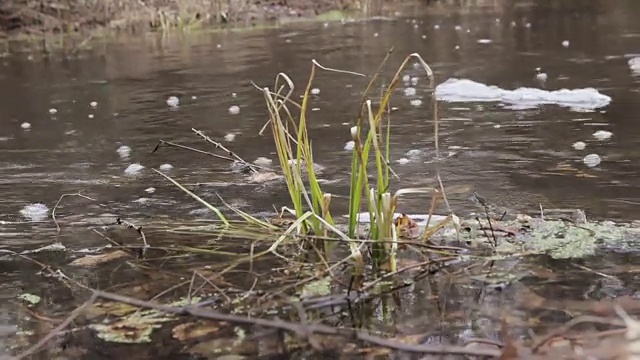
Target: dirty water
[(517, 158)]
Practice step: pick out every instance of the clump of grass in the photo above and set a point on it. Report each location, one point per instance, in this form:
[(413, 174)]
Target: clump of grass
[(371, 135)]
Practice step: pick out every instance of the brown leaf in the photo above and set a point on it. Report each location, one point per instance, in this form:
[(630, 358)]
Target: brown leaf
[(93, 260), (193, 330)]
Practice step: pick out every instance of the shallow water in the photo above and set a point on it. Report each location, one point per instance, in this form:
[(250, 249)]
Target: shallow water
[(517, 158)]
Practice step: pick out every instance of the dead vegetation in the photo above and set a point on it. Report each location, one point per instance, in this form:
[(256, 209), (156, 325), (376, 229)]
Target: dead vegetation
[(67, 16)]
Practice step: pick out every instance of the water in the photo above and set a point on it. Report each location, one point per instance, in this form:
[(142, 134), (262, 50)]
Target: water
[(518, 158)]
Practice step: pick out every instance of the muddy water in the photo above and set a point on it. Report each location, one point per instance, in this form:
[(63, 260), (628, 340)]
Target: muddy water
[(517, 158)]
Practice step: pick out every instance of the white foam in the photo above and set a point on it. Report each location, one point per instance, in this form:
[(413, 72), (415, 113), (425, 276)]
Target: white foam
[(592, 160), (35, 212), (634, 64), (133, 169), (465, 90)]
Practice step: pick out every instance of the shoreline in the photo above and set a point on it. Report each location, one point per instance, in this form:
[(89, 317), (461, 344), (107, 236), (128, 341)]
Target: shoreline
[(78, 25)]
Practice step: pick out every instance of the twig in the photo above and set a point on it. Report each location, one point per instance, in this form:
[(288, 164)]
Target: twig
[(222, 147), (53, 333), (336, 70), (579, 320), (55, 207), (138, 229), (297, 328), (162, 142)]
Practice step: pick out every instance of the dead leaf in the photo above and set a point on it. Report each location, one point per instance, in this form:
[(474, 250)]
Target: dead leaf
[(193, 330), (94, 260)]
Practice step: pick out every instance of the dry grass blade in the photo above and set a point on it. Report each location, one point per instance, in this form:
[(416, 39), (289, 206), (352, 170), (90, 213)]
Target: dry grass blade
[(196, 197)]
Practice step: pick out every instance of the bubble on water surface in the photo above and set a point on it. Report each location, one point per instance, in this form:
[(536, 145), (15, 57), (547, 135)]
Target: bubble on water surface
[(25, 125), (150, 190), (592, 160), (234, 110), (413, 153), (173, 101), (458, 28), (565, 43), (230, 137), (403, 161), (133, 169), (166, 167), (602, 134), (414, 80), (485, 41), (35, 212), (416, 102), (406, 79), (124, 151), (53, 111), (91, 116), (436, 27), (315, 91), (349, 145), (579, 145), (263, 161), (409, 91), (93, 104)]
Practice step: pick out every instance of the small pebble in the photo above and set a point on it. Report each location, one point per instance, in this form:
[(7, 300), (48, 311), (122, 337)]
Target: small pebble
[(25, 125), (234, 110)]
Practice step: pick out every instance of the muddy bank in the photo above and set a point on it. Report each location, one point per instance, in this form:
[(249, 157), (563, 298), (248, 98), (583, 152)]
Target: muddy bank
[(23, 16)]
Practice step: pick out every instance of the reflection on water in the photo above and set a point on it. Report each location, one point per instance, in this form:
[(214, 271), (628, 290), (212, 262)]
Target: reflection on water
[(518, 158)]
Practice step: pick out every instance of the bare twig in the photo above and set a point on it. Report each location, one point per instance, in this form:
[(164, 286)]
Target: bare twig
[(298, 328), (55, 207), (53, 333)]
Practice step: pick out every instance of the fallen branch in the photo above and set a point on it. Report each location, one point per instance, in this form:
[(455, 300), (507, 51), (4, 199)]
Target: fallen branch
[(302, 329)]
